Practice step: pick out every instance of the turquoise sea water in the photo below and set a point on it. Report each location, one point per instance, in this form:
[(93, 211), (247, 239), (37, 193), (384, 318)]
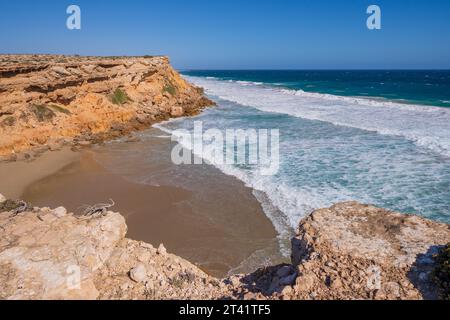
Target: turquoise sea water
[(429, 87), (337, 147)]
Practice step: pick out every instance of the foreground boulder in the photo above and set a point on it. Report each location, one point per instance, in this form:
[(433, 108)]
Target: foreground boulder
[(49, 254), (348, 251), (355, 251), (361, 252), (46, 255)]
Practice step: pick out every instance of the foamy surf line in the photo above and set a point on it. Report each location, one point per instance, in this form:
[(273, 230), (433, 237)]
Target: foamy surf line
[(284, 205), (426, 126), (284, 224)]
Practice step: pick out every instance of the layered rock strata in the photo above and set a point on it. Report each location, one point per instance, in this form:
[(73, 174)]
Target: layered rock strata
[(47, 101)]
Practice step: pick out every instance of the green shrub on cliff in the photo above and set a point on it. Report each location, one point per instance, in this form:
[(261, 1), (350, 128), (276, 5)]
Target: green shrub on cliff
[(442, 271), (119, 97), (170, 88), (9, 121), (47, 112), (59, 109), (42, 112)]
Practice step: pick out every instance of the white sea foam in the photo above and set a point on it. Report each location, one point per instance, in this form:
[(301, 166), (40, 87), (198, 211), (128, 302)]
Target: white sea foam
[(283, 204), (427, 126), (337, 165)]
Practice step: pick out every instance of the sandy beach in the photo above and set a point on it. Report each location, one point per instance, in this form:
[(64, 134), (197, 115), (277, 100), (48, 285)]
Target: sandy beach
[(218, 238), (16, 176)]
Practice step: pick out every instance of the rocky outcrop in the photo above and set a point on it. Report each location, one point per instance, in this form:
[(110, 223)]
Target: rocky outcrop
[(47, 101), (356, 251), (348, 251), (137, 270), (47, 254), (359, 251), (50, 254)]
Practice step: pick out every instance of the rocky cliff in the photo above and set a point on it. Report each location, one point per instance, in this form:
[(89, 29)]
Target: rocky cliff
[(348, 251), (47, 101)]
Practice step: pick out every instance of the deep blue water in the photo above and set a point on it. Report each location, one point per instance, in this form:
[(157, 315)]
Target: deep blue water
[(428, 87)]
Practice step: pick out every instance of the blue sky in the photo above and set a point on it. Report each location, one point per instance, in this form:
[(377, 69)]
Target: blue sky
[(244, 34)]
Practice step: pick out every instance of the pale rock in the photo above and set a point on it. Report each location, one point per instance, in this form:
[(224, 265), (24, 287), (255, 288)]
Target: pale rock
[(392, 289), (86, 291), (146, 245), (60, 212), (2, 198), (68, 250), (363, 243), (287, 292), (139, 273), (125, 286), (144, 256), (61, 71), (161, 250), (84, 143)]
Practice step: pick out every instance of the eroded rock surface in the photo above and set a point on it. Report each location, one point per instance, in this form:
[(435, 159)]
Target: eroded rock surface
[(43, 251), (348, 251), (354, 251), (49, 254), (358, 251), (47, 101)]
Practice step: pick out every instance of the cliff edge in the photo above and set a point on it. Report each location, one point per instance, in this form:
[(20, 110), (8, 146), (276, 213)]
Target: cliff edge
[(47, 101), (348, 251)]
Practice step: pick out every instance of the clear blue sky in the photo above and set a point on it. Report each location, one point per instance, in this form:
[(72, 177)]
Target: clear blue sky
[(232, 34)]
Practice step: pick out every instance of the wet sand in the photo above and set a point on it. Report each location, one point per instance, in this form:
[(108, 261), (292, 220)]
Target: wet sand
[(16, 176), (218, 225)]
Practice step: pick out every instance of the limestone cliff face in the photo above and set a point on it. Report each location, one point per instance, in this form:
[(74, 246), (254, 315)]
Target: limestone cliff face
[(50, 100), (348, 251)]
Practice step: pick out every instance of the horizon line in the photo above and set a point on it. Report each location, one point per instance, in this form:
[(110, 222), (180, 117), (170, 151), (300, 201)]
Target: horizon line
[(317, 69)]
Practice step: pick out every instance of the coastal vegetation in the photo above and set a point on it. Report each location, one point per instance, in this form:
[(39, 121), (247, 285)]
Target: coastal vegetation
[(9, 121), (170, 88), (119, 97), (47, 112), (43, 112), (59, 109)]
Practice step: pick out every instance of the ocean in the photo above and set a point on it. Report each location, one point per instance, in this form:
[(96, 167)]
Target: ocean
[(430, 87), (378, 137)]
